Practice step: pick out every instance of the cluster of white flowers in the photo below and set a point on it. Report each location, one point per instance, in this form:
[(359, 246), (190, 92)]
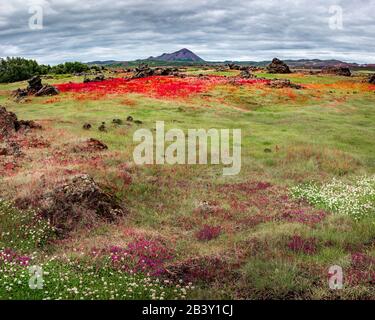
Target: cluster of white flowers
[(22, 229), (81, 281), (354, 198)]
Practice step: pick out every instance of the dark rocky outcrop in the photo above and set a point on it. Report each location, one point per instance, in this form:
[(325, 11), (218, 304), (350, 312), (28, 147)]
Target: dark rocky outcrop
[(338, 71), (35, 88), (102, 127), (47, 90), (90, 145), (98, 78), (220, 68), (165, 71), (35, 84), (143, 71), (372, 79), (233, 66), (20, 94), (87, 126), (246, 74), (278, 66), (9, 124), (117, 122), (283, 83), (27, 124), (78, 202)]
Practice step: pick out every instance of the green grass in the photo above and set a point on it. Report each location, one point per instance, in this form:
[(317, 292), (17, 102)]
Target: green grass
[(76, 280), (23, 231), (274, 280)]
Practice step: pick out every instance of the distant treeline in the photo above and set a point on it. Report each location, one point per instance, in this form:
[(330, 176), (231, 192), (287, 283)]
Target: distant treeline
[(19, 69)]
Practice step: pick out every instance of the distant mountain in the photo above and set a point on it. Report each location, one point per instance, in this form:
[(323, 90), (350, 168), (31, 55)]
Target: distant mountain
[(310, 64), (318, 64), (181, 55), (187, 57), (104, 63)]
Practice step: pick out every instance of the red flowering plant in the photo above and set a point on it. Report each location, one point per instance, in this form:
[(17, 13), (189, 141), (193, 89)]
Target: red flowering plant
[(303, 215), (9, 256), (306, 246), (142, 256), (208, 233), (362, 270), (156, 86)]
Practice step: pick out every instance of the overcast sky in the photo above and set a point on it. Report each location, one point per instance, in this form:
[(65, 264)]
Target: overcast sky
[(214, 29)]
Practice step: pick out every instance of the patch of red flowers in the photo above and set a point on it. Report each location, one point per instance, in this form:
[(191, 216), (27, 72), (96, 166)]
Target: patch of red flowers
[(300, 245), (256, 219), (8, 168), (246, 187), (10, 256), (33, 142), (362, 260), (303, 216), (142, 256), (362, 269), (208, 233), (157, 86)]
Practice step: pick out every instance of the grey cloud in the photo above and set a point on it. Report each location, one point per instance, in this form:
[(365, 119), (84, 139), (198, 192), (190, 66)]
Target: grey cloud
[(214, 29)]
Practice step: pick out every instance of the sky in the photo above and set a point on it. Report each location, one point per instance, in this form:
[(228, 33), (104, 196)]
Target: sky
[(55, 31)]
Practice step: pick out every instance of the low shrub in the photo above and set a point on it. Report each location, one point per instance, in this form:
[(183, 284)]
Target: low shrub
[(300, 245), (142, 256), (208, 233)]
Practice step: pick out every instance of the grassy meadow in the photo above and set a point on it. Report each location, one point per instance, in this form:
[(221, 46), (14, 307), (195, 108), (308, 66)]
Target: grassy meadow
[(303, 202)]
